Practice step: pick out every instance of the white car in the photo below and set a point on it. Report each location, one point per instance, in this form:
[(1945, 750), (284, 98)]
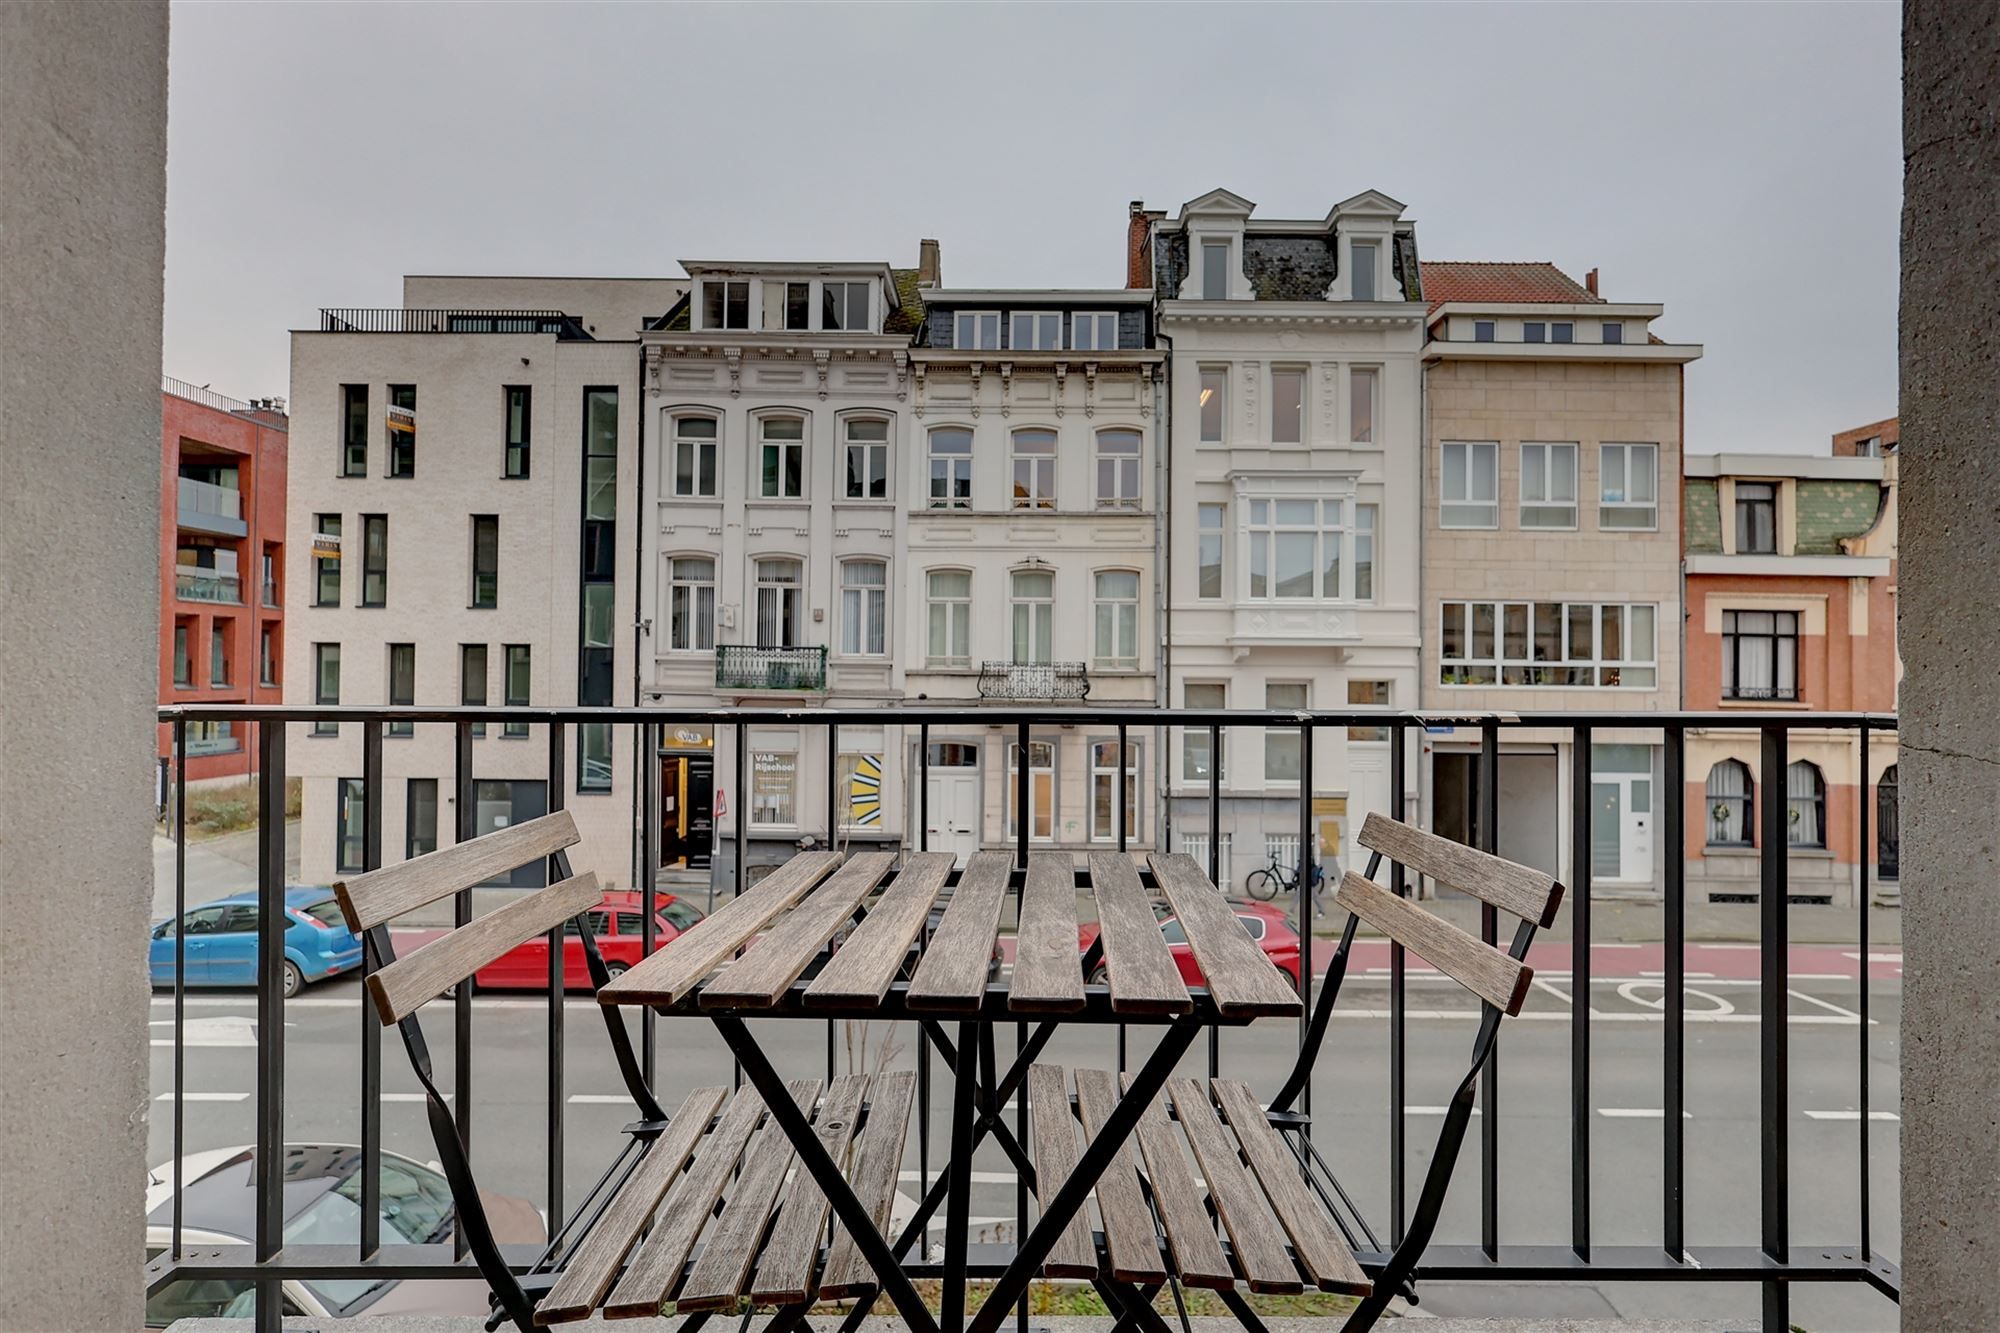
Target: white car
[(322, 1207)]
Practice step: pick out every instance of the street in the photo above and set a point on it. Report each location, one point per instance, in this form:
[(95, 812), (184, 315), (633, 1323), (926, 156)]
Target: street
[(1350, 1100)]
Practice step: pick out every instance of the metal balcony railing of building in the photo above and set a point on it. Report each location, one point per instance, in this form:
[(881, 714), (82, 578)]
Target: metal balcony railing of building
[(742, 666), (1819, 1245), (395, 319), (226, 588), (1033, 680)]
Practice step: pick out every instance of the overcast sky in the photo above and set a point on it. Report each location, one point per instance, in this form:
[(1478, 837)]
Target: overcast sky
[(1740, 164)]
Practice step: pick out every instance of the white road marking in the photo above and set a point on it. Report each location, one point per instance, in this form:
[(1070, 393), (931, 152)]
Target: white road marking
[(1851, 1115), (1848, 1014), (1639, 1113), (600, 1099), (1876, 957), (978, 1177), (205, 1097), (1697, 976), (1434, 1110)]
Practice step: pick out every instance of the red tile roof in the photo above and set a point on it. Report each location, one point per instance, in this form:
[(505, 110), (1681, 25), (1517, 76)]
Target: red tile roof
[(1449, 280)]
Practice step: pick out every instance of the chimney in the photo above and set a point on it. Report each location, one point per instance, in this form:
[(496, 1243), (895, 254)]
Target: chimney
[(1590, 282), (928, 264), (1139, 245)]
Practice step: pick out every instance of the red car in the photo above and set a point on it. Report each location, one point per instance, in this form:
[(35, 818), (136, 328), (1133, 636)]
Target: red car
[(617, 922), (1266, 923)]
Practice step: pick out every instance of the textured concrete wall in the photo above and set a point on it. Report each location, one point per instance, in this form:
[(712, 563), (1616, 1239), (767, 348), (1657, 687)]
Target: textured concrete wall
[(83, 110), (1951, 695)]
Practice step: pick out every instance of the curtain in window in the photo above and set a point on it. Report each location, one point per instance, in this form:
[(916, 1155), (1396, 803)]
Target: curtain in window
[(1728, 793), (1805, 800)]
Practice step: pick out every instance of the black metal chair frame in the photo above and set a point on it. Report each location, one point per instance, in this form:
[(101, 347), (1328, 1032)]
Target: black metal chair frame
[(1395, 1275)]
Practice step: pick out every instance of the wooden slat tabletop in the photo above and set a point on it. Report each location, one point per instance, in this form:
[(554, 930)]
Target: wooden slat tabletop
[(870, 958), (1241, 978), (1048, 972), (768, 969), (678, 967), (952, 976), (1143, 977)]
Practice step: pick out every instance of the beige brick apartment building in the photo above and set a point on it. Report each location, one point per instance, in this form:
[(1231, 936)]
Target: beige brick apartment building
[(1551, 554)]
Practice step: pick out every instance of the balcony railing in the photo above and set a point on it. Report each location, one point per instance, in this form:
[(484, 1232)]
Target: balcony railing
[(205, 507), (208, 587), (1033, 680), (566, 328), (1817, 1227), (744, 667)]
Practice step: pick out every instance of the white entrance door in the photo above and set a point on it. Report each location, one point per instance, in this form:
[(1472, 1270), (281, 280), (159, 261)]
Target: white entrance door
[(1621, 828), (954, 800)]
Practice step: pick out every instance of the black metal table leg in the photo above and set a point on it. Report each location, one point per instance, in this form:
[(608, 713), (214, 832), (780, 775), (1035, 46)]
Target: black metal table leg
[(825, 1171)]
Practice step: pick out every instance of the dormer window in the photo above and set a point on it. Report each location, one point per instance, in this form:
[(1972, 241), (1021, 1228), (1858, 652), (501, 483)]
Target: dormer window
[(725, 305), (1363, 286), (787, 306), (1482, 331), (1562, 333), (844, 307), (1215, 270), (1533, 331), (1614, 332), (1093, 332), (977, 330), (1037, 331)]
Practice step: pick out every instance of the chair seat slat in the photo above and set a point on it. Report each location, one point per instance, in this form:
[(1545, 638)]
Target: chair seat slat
[(1131, 1246), (1254, 1236), (1056, 1158), (785, 1272), (1191, 1241), (878, 1158), (718, 1276), (1321, 1249)]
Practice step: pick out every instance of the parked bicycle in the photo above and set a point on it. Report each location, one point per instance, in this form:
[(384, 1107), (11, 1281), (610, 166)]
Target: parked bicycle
[(1266, 882)]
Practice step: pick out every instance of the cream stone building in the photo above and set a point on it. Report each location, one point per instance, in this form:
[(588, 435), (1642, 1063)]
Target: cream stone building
[(777, 429), (1292, 520), (1033, 490), (1551, 556), (460, 469)]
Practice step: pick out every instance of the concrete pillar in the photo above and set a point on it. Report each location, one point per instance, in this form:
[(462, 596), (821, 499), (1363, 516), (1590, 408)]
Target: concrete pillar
[(1950, 762), (83, 112)]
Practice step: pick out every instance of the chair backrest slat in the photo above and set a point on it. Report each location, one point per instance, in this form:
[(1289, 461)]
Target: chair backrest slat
[(407, 984), (1508, 885), (1487, 972), (382, 895)]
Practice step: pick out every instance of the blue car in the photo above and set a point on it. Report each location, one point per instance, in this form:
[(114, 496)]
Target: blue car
[(222, 941)]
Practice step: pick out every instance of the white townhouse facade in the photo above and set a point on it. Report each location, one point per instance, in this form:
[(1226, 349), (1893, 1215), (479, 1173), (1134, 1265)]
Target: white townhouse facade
[(776, 433), (1032, 491), (460, 467), (1293, 520), (1552, 558)]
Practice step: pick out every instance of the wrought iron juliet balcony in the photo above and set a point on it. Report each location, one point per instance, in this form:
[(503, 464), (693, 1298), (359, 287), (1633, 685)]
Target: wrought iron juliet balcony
[(1033, 680), (740, 666)]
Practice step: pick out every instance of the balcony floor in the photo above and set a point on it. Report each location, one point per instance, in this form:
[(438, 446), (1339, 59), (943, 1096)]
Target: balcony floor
[(1046, 1324)]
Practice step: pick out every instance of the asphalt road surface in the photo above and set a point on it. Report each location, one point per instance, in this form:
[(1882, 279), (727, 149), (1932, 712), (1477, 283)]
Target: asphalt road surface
[(1349, 1092)]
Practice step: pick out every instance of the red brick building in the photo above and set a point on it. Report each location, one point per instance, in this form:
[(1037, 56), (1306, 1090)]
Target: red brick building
[(1877, 439), (1791, 605), (222, 561)]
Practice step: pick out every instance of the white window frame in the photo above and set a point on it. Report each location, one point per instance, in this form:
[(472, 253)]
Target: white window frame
[(957, 621), (1212, 537), (1288, 737), (1625, 504), (1262, 536), (757, 456), (959, 340), (1035, 330), (780, 290), (1371, 264), (1096, 321), (1040, 619), (957, 465), (1123, 622), (1304, 377), (712, 446), (1469, 499), (1124, 467), (846, 286), (1498, 667), (1035, 747), (1372, 377), (1219, 760), (1104, 774), (876, 450), (1042, 468), (792, 627), (864, 607), (762, 808), (1202, 251), (1221, 374), (701, 624), (1548, 502), (726, 284)]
